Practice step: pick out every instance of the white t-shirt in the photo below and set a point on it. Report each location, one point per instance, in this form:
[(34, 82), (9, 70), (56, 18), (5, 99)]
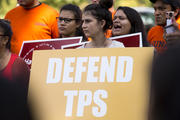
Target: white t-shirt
[(114, 44)]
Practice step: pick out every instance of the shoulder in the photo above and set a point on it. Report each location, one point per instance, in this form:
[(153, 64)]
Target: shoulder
[(82, 46), (21, 71), (48, 8), (20, 65), (155, 32), (155, 29), (13, 11), (116, 44)]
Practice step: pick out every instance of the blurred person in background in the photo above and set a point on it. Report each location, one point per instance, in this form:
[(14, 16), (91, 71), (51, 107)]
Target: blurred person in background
[(32, 20), (13, 102), (97, 19), (126, 21), (156, 33), (12, 67), (165, 82), (70, 22)]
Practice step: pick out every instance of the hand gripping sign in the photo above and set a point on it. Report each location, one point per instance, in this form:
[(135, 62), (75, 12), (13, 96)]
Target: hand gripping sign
[(90, 84)]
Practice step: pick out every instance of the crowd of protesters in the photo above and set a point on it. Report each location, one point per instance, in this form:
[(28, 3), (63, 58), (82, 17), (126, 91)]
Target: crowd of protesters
[(33, 20)]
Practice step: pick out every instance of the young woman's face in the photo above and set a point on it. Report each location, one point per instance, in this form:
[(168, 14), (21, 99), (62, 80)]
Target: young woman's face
[(121, 24), (67, 24), (3, 40), (90, 26)]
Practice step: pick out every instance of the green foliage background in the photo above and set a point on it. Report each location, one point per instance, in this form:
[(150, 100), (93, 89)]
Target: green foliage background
[(6, 5)]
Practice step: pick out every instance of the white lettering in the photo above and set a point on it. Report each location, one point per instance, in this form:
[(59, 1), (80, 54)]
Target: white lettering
[(85, 98), (80, 68), (122, 61), (54, 76), (103, 107), (91, 69), (70, 98), (68, 69), (107, 69)]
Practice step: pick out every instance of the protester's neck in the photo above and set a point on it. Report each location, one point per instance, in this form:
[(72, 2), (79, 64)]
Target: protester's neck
[(35, 4), (65, 36), (99, 41)]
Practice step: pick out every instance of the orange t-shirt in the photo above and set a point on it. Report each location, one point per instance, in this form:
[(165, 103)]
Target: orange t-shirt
[(178, 21), (155, 38), (32, 24)]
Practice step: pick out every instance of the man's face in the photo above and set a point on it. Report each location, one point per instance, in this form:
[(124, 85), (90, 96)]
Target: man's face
[(160, 12), (26, 3), (95, 1)]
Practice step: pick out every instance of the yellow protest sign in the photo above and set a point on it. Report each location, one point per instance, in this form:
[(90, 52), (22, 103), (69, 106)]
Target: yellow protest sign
[(90, 84)]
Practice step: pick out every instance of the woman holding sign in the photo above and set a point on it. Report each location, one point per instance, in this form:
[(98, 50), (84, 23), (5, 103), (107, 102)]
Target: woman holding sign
[(96, 21), (126, 21), (70, 22)]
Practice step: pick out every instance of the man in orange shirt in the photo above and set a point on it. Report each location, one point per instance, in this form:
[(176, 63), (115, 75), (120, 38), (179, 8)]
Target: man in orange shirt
[(155, 34), (32, 20)]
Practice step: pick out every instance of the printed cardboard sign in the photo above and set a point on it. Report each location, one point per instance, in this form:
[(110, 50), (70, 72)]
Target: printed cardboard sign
[(90, 84), (130, 40), (73, 46), (29, 46)]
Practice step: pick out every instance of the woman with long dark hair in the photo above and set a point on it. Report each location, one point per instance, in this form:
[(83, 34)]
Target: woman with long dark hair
[(97, 19), (126, 21)]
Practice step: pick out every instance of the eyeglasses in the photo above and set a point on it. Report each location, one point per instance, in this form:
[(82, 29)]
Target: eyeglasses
[(66, 20)]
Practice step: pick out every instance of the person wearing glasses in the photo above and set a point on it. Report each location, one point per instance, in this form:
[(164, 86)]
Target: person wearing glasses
[(70, 22), (12, 67), (97, 19), (124, 23)]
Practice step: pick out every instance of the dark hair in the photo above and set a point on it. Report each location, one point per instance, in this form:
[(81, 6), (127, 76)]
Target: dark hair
[(100, 12), (77, 15), (165, 82), (5, 26), (136, 22), (175, 4)]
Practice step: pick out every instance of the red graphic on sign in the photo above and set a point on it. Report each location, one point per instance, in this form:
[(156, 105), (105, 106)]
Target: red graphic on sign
[(29, 46)]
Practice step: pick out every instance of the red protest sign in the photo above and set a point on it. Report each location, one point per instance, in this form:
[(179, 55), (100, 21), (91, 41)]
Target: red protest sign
[(73, 46), (29, 46), (130, 40)]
